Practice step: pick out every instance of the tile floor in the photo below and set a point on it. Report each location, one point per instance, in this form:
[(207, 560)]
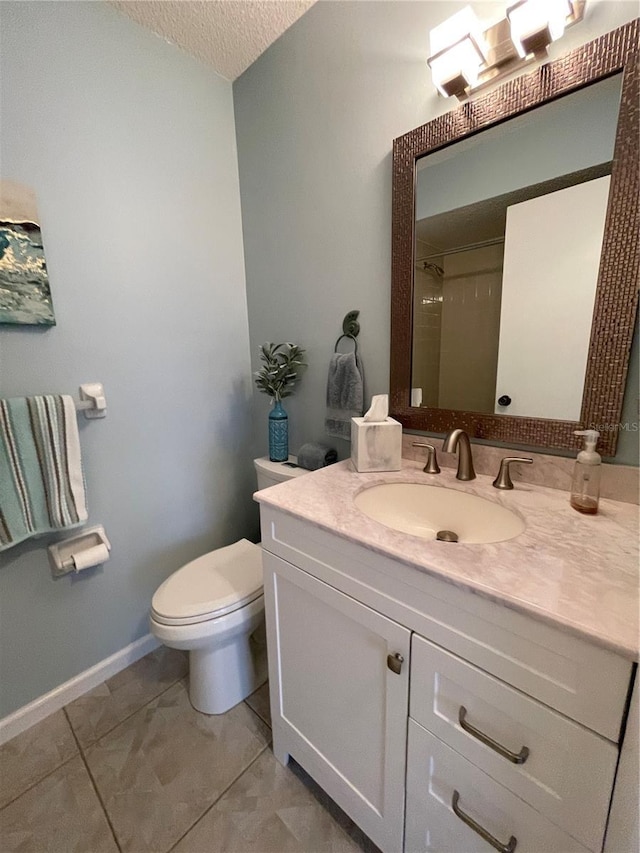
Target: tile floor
[(131, 767)]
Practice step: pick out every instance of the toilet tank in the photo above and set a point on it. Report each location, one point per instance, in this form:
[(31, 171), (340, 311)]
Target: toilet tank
[(269, 473)]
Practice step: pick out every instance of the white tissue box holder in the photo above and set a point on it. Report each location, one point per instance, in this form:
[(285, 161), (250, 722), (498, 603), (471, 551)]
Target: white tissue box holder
[(376, 446)]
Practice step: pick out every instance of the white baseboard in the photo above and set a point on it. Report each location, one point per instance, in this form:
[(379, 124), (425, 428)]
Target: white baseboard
[(22, 719)]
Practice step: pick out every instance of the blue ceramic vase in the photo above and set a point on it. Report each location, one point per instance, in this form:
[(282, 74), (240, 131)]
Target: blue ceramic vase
[(278, 433)]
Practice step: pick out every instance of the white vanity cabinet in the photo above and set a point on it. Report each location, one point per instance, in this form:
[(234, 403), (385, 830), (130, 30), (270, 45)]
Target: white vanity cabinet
[(437, 719)]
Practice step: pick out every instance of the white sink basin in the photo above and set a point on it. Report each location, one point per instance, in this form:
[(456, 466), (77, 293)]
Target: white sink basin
[(425, 510)]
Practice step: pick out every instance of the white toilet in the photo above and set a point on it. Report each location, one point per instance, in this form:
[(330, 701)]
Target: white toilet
[(214, 608)]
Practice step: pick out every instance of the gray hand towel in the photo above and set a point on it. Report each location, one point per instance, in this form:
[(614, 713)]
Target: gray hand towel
[(315, 455), (345, 394)]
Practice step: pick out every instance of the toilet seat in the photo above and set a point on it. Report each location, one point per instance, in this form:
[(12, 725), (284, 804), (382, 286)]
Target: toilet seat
[(208, 633), (210, 586)]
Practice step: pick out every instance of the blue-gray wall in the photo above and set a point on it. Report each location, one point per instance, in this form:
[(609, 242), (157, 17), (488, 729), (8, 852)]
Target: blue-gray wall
[(130, 146), (315, 119)]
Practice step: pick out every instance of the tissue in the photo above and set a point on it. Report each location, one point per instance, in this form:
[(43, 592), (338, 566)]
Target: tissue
[(379, 409), (376, 439)]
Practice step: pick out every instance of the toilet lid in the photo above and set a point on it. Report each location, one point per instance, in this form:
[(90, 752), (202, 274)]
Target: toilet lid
[(212, 585)]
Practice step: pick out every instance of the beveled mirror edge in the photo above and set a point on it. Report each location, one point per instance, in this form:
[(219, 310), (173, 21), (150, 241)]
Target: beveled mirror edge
[(617, 290)]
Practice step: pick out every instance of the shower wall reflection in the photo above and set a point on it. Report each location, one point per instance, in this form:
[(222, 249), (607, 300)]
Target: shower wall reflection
[(457, 301), (427, 325), (472, 288)]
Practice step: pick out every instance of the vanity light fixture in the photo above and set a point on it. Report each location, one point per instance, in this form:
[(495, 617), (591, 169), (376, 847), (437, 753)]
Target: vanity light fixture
[(465, 58), (534, 24), (458, 52)]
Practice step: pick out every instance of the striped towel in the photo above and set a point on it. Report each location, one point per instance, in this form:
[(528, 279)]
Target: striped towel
[(41, 482)]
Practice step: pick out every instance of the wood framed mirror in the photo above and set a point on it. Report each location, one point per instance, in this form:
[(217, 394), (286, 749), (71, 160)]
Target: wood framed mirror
[(616, 278)]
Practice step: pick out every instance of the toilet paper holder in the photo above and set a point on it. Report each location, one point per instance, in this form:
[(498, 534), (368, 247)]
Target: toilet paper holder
[(62, 555)]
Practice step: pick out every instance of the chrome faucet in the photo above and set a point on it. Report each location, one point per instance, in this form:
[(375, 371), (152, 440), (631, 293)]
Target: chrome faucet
[(458, 440)]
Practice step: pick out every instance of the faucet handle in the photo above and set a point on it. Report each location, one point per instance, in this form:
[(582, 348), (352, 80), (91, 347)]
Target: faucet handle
[(503, 480), (431, 465)]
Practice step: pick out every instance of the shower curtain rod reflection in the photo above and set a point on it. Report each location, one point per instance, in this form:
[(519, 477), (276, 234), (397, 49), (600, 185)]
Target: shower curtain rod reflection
[(481, 245)]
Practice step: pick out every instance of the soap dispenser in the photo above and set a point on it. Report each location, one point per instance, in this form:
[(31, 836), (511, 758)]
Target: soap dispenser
[(585, 486)]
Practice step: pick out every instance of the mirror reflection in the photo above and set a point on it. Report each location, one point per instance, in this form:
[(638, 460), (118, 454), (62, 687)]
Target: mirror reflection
[(508, 234)]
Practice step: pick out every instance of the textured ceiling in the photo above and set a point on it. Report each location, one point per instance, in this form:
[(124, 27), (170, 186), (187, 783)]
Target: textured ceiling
[(226, 34)]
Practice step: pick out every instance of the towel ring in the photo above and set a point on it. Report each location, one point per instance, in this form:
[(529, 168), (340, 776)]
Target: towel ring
[(347, 335)]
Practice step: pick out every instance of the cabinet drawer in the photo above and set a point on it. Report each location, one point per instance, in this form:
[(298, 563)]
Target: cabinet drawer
[(568, 772), (434, 773)]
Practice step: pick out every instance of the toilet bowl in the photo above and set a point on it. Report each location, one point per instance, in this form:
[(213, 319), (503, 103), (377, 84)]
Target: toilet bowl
[(213, 607)]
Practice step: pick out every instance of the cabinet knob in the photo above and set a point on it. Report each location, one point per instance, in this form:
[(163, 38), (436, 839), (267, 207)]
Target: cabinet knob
[(394, 662)]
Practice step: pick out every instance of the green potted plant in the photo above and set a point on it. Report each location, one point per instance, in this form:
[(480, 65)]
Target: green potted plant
[(282, 364)]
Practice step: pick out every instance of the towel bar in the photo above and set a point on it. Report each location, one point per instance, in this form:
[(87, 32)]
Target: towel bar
[(92, 400)]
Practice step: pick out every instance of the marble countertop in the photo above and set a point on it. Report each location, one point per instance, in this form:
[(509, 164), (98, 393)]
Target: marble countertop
[(575, 572)]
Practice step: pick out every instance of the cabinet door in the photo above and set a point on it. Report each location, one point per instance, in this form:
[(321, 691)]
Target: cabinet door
[(337, 707)]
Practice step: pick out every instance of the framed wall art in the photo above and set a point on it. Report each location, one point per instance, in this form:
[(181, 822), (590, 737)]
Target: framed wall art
[(25, 295)]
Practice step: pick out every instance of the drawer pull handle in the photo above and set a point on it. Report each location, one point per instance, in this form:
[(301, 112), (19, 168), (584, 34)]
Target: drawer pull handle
[(394, 662), (514, 757), (509, 847)]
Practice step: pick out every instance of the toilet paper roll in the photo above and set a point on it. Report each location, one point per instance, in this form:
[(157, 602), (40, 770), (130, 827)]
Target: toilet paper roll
[(91, 557)]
